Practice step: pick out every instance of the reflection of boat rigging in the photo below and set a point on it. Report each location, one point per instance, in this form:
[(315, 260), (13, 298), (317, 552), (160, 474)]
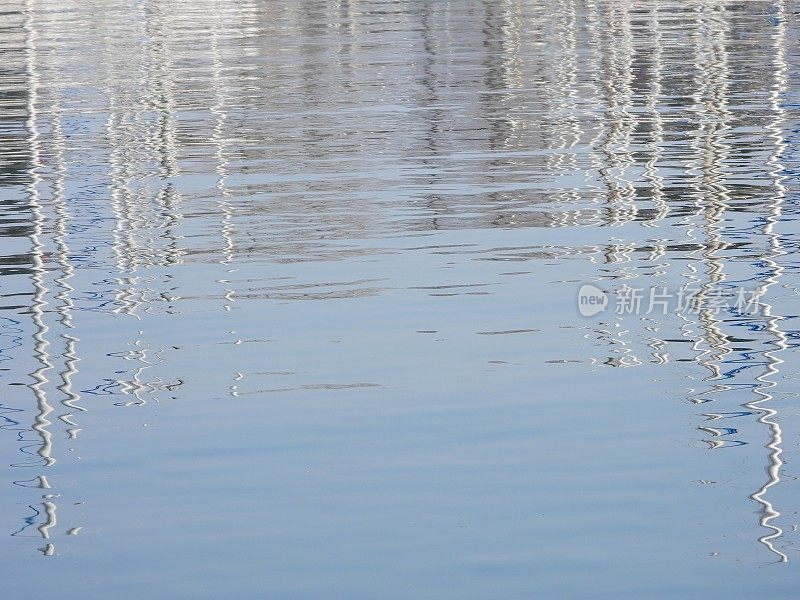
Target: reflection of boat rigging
[(623, 144), (41, 423), (711, 148), (53, 271), (765, 389)]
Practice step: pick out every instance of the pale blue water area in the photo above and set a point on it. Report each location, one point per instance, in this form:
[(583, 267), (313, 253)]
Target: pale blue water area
[(289, 299)]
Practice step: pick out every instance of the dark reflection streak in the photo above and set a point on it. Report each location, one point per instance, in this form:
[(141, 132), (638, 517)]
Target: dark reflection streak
[(495, 48), (312, 73), (29, 521), (345, 27), (434, 117), (493, 81)]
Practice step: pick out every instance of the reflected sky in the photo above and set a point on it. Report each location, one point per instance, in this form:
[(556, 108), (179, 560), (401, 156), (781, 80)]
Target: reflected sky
[(289, 289)]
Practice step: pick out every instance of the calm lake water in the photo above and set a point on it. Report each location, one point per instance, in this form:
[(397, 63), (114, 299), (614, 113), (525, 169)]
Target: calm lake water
[(290, 299)]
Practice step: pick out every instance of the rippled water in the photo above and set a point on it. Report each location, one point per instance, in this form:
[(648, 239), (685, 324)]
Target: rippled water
[(289, 299)]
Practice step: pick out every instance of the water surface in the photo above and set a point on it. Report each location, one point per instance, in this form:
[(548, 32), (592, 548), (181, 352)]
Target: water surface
[(288, 299)]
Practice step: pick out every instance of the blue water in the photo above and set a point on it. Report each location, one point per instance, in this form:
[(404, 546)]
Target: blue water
[(289, 299)]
